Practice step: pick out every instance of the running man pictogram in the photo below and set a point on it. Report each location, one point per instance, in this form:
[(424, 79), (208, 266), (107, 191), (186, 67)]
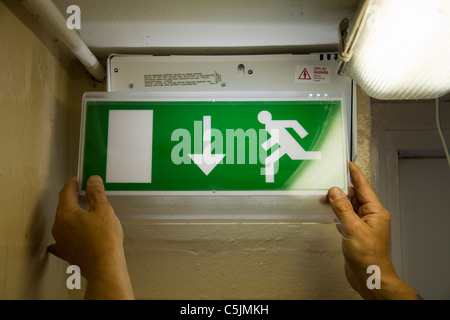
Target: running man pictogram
[(288, 145)]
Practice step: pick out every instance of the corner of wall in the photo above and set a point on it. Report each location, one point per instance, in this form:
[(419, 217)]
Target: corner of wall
[(363, 158)]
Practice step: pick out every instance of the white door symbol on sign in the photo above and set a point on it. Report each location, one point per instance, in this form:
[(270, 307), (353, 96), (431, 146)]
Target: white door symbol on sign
[(288, 145)]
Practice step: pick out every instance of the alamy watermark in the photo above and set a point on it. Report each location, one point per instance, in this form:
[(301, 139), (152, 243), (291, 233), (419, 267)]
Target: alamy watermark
[(74, 280), (74, 20), (238, 144), (374, 280)]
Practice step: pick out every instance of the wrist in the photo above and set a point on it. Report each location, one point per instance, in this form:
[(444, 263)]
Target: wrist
[(110, 280), (396, 289), (106, 265)]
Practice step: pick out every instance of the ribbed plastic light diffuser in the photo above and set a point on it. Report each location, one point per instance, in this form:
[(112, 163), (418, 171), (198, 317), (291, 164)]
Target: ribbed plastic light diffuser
[(403, 49)]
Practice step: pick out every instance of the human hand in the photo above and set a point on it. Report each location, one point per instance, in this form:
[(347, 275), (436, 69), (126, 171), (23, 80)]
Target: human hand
[(365, 230), (92, 240)]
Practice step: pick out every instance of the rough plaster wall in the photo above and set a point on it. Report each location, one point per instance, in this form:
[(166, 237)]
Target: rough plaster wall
[(35, 160), (273, 261), (236, 262), (363, 122)]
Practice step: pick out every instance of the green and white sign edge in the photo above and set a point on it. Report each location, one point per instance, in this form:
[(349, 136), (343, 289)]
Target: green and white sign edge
[(208, 97)]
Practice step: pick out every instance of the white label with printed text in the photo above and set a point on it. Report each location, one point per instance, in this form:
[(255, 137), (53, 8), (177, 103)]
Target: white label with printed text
[(312, 74)]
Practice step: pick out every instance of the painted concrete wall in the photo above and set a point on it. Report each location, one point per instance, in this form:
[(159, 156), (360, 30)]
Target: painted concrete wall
[(36, 158), (40, 102)]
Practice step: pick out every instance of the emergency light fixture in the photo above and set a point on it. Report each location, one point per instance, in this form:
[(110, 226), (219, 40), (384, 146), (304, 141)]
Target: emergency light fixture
[(398, 49), (210, 139)]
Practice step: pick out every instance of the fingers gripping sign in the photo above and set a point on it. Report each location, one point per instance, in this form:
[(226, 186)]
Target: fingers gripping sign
[(92, 240), (76, 229), (365, 229)]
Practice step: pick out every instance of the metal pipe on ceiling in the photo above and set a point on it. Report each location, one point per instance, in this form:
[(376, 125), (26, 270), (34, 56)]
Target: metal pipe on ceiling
[(50, 15)]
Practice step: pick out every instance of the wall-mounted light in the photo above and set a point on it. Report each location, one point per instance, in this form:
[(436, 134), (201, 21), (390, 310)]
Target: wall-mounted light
[(398, 49)]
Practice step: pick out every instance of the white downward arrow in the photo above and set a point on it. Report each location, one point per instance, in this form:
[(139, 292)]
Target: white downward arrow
[(206, 161)]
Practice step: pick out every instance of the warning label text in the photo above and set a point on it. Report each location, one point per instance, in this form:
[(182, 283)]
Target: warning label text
[(181, 79), (312, 74)]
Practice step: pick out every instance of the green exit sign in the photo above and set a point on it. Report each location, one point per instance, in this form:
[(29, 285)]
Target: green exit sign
[(214, 147)]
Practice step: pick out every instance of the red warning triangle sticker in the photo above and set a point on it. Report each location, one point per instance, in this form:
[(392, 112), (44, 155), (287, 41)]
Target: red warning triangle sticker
[(304, 75)]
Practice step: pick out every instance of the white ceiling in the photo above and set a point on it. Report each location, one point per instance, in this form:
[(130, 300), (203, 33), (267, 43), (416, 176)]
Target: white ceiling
[(137, 26)]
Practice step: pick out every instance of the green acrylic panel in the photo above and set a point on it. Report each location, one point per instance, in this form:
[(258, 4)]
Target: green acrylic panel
[(237, 133)]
